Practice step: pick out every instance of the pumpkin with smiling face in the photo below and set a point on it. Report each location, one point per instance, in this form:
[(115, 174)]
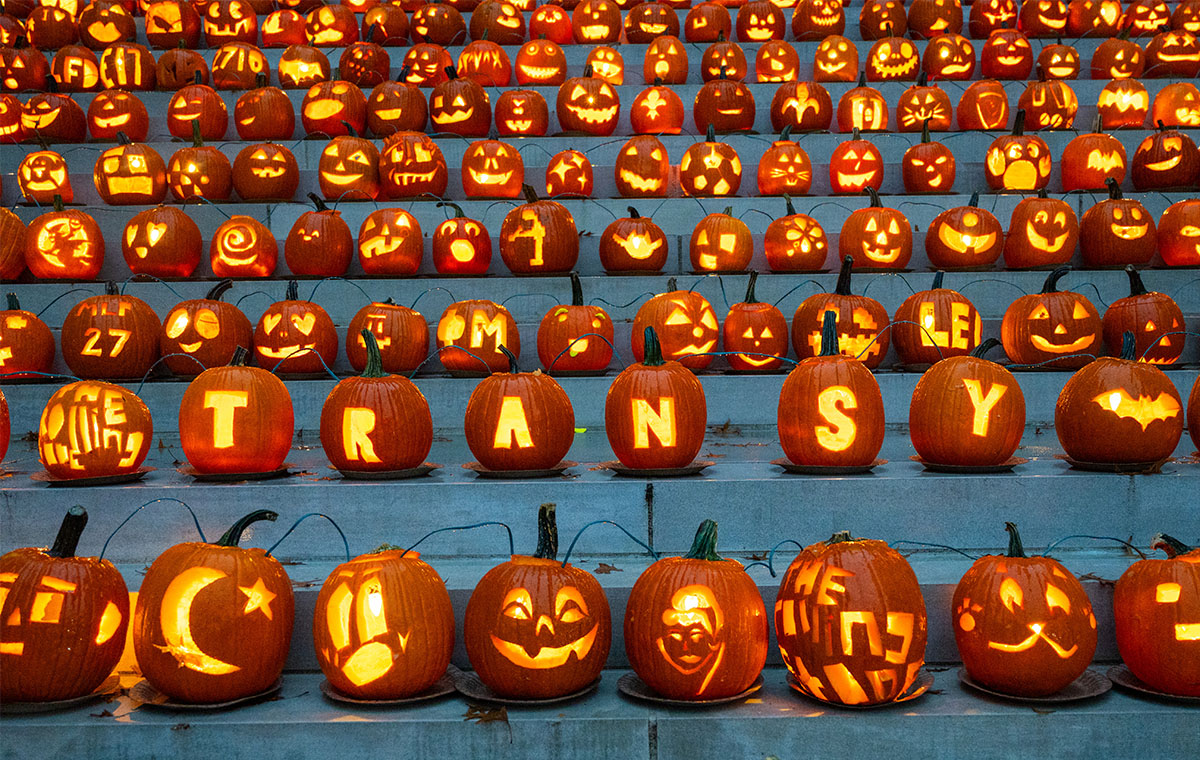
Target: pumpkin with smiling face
[(438, 23), (785, 168), (893, 59), (1007, 54), (966, 237), (814, 20), (1179, 234), (207, 329), (759, 21), (319, 242), (230, 21), (1174, 54), (647, 21), (1118, 58), (725, 105), (608, 64), (1117, 231), (726, 55), (860, 323), (1165, 160), (396, 106), (855, 165), (596, 22), (949, 56), (924, 106), (541, 62), (552, 23), (642, 168), (1024, 625), (1059, 61), (1018, 161), (426, 64), (835, 60), (349, 169), (54, 117), (755, 333), (331, 26), (685, 324), (776, 61), (928, 166), (411, 165), (589, 105), (264, 113), (1043, 18), (201, 105), (460, 106), (1176, 104), (633, 244), (1150, 316), (876, 237), (294, 336), (1042, 232), (1145, 17), (1058, 328), (492, 169), (522, 113)]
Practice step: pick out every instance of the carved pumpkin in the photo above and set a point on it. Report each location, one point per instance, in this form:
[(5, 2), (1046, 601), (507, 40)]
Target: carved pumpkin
[(396, 107), (862, 108), (427, 64), (656, 110), (966, 237), (199, 171), (206, 329), (560, 342), (75, 69), (892, 59), (42, 175), (128, 66), (499, 21), (757, 329), (860, 323), (724, 105), (171, 22), (935, 324), (294, 336), (1118, 58), (551, 22), (685, 328), (1042, 232), (665, 61), (243, 247), (110, 336), (64, 244), (331, 26), (1178, 233), (785, 168), (492, 169), (929, 18), (835, 60), (1150, 316), (1093, 18), (949, 56), (23, 68), (923, 105), (928, 166), (265, 171), (401, 335), (302, 67), (115, 111), (1123, 103), (795, 242), (882, 18), (760, 21), (710, 168), (647, 21), (162, 242), (461, 246), (1166, 160), (984, 105), (706, 22), (538, 237), (91, 429), (411, 165), (595, 22), (390, 24), (1091, 159), (814, 20), (26, 343), (804, 106), (440, 24), (319, 243), (1176, 104), (1007, 54), (633, 244), (990, 15), (1117, 231), (349, 169), (365, 64), (1145, 17), (1048, 104), (1018, 161), (390, 243), (588, 104), (642, 168), (876, 237), (1051, 328), (50, 27), (460, 106), (283, 28), (1042, 18), (541, 62), (1059, 61), (720, 243), (480, 328), (334, 108), (54, 117), (569, 174), (264, 113), (723, 55), (485, 62)]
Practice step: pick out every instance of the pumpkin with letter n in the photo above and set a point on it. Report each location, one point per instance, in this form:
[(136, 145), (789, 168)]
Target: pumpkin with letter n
[(1119, 411), (1156, 608), (850, 622), (696, 626), (1024, 625), (213, 621), (1052, 328)]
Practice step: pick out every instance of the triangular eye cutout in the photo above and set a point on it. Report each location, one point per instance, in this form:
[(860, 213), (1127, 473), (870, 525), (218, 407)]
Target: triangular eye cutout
[(1039, 313), (1080, 311)]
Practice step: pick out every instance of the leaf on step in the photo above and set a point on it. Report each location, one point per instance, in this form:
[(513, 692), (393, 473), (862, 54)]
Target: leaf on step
[(181, 726), (101, 714), (1097, 579), (936, 691), (485, 714), (759, 557), (710, 454), (307, 584), (1043, 712), (605, 569)]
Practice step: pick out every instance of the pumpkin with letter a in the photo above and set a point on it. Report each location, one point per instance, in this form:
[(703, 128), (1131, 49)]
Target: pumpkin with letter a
[(655, 411), (375, 422), (236, 419), (1024, 625), (91, 429), (208, 330), (1155, 320), (758, 329), (64, 618), (213, 621), (832, 597), (1156, 608), (25, 341), (536, 628), (935, 324), (1051, 328), (471, 334), (1119, 411), (861, 322), (519, 420), (110, 336), (696, 626), (830, 408), (575, 337), (964, 237), (383, 627), (967, 411)]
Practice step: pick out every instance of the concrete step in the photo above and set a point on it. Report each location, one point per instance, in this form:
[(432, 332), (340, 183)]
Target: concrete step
[(947, 722)]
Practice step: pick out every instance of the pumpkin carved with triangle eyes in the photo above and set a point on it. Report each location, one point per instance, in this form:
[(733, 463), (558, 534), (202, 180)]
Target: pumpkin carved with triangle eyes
[(685, 323), (1052, 327)]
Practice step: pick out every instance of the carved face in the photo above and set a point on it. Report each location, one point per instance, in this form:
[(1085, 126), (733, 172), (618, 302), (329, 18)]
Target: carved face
[(112, 111), (1118, 59), (885, 235), (544, 636), (666, 59), (691, 638), (10, 118), (1147, 16), (949, 56), (755, 328), (648, 20), (777, 61), (607, 64), (230, 21), (879, 17), (760, 22), (1177, 104), (710, 169), (1123, 103), (426, 64), (1059, 61), (390, 234), (725, 55), (818, 19), (492, 169), (43, 174), (589, 105), (331, 25), (642, 168), (920, 103), (1018, 163), (856, 336), (1044, 17), (414, 165), (463, 245), (596, 21), (269, 162), (131, 173), (1065, 324), (855, 165), (973, 234), (836, 60), (541, 62), (891, 59), (784, 168), (190, 324), (690, 326)]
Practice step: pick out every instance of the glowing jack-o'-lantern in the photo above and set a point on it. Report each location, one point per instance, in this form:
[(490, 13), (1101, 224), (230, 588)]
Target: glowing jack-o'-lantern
[(1059, 61), (642, 168), (538, 237), (893, 59), (75, 69), (1119, 410), (551, 22), (665, 60), (26, 343), (412, 164), (855, 165), (42, 175), (723, 55), (334, 108), (64, 244), (860, 323), (1186, 16), (805, 106), (835, 60), (331, 26), (588, 104), (213, 622), (1157, 617), (49, 27), (170, 22), (206, 329), (795, 242), (396, 107), (928, 166), (657, 110), (197, 104), (1051, 328), (990, 15), (199, 171), (401, 335), (285, 27), (1117, 231), (440, 24), (830, 408), (1007, 54), (265, 171), (64, 616), (1023, 625), (485, 62), (460, 106), (706, 22), (1042, 232), (850, 621), (480, 328), (1090, 159), (785, 168), (561, 342), (882, 18), (720, 243), (814, 20), (1093, 18), (390, 243), (536, 628), (1118, 58), (964, 237), (760, 21), (302, 66), (685, 325), (23, 68), (461, 245), (11, 129), (162, 242), (876, 237), (1123, 103), (1145, 17), (1018, 161), (924, 106), (426, 64), (1176, 104), (114, 111), (243, 247), (710, 168), (776, 61), (1154, 319), (862, 108), (633, 244), (695, 626), (1165, 160), (127, 66), (1048, 104), (936, 324), (294, 336), (349, 169), (984, 105), (1042, 18), (929, 18), (264, 113), (91, 429), (319, 242), (110, 336), (499, 21), (755, 334), (1179, 234), (54, 117), (180, 67), (647, 21), (596, 21), (365, 63), (230, 21), (492, 169), (541, 62), (383, 626), (949, 56)]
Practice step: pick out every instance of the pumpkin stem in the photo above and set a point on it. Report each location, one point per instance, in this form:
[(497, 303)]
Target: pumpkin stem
[(1128, 346), (1161, 126), (122, 138), (58, 203), (829, 334), (652, 350), (197, 138), (862, 78), (240, 355), (875, 202), (260, 79), (925, 138), (51, 83), (843, 282), (923, 79), (854, 134), (1169, 544), (1019, 123), (1051, 283), (704, 545), (530, 194), (111, 289), (13, 303), (1097, 124), (513, 369), (974, 202), (370, 37), (316, 199), (350, 129), (1015, 548), (633, 214), (69, 532), (658, 81), (218, 291), (587, 71), (197, 75), (984, 347), (293, 291), (405, 70), (451, 72), (785, 134), (458, 212), (234, 534), (722, 75), (374, 366), (710, 135), (728, 211), (750, 288), (937, 279), (576, 290), (1114, 190), (547, 545), (672, 284), (841, 537), (791, 210)]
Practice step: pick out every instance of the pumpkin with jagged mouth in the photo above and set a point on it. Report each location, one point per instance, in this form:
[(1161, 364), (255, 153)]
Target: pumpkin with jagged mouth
[(950, 56), (891, 59), (596, 21), (541, 62), (642, 167)]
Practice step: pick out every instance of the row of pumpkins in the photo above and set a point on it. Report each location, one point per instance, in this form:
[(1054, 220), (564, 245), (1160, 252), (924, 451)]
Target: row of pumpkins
[(213, 622)]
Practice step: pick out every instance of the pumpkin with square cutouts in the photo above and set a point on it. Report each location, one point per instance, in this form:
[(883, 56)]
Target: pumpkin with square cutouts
[(480, 328), (294, 336), (1006, 54), (755, 333), (633, 244), (795, 242), (928, 166), (642, 168), (965, 237), (710, 168), (835, 60), (207, 329), (860, 322), (1052, 328), (199, 171), (64, 244), (657, 110), (243, 247), (401, 335), (862, 108), (935, 324), (1117, 231), (1179, 233), (93, 429), (1165, 160), (161, 242), (726, 55), (265, 171), (65, 617), (949, 56), (110, 336), (1042, 232), (720, 242), (1155, 319), (575, 337)]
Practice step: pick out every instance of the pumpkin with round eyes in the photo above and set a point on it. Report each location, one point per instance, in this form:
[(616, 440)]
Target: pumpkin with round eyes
[(1094, 18), (1118, 58), (814, 20), (538, 237), (835, 60), (1051, 327), (1042, 18), (930, 18), (1048, 104), (1059, 61), (207, 329), (23, 68), (302, 66), (860, 322), (492, 169), (665, 61), (633, 244), (723, 58), (440, 24), (882, 18), (776, 61), (1018, 161), (331, 26), (265, 171), (933, 325), (1156, 614), (855, 165), (686, 325), (480, 328), (1145, 17), (522, 113), (294, 336), (390, 23), (541, 62), (923, 105), (229, 21), (333, 109), (130, 174), (27, 341), (575, 337), (427, 64), (656, 110), (285, 27), (804, 106), (966, 237), (551, 22), (755, 333), (710, 168), (648, 20), (588, 104), (236, 66), (1090, 159), (199, 171), (608, 64), (1174, 54), (534, 628), (12, 240), (54, 117), (1006, 54), (76, 69), (364, 63), (984, 106), (49, 27), (110, 336), (396, 106), (1176, 104), (1117, 231), (707, 21), (499, 21), (785, 167), (893, 59), (103, 23), (569, 174), (642, 168), (1167, 159), (721, 243), (724, 105), (485, 62), (390, 243), (928, 166), (795, 242), (862, 108), (1024, 625), (243, 247), (759, 21), (1155, 320), (949, 56), (42, 175), (595, 22), (171, 22), (349, 169), (264, 113), (1042, 232), (1123, 103), (64, 244), (876, 237), (401, 338), (1179, 238), (319, 242), (197, 104), (411, 165), (461, 246)]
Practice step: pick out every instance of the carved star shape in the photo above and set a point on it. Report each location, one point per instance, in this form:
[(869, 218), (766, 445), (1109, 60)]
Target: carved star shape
[(258, 598)]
